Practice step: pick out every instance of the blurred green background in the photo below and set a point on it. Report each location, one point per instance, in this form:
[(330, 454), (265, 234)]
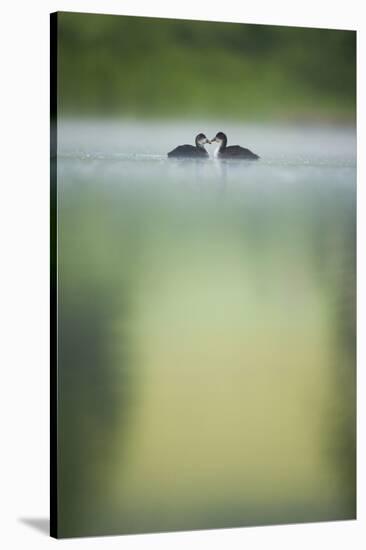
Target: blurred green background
[(147, 67)]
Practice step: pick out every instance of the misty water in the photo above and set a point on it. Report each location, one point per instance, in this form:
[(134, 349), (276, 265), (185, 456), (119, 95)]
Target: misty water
[(206, 327)]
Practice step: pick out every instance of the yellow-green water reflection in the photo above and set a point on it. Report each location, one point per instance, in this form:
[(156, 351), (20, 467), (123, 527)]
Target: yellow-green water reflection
[(206, 343)]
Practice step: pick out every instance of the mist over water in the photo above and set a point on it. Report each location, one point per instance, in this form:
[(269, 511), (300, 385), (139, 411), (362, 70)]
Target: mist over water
[(206, 327)]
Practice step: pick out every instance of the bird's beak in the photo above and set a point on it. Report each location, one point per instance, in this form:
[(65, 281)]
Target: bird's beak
[(208, 141), (213, 140)]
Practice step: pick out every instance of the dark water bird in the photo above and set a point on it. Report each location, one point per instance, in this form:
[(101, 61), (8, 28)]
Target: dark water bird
[(233, 151), (191, 151)]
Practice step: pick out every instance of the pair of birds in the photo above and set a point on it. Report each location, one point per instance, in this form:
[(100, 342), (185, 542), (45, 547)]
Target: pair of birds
[(224, 152)]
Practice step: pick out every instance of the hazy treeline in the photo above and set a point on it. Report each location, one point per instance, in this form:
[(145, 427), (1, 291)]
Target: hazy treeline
[(156, 67)]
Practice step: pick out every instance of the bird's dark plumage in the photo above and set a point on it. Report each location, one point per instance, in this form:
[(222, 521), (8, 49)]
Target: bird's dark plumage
[(191, 151), (233, 151)]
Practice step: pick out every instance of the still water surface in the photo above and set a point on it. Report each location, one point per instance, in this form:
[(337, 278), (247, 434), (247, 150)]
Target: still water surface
[(206, 328)]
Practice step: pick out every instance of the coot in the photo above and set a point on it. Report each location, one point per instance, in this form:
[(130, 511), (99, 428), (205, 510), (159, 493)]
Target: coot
[(233, 151), (191, 151)]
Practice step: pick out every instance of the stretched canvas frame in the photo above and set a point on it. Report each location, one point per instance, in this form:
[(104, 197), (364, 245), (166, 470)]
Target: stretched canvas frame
[(324, 298)]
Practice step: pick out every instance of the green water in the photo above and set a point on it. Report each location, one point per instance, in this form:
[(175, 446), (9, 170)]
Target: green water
[(206, 329)]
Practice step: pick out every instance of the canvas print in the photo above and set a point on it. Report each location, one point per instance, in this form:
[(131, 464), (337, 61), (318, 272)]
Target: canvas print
[(203, 254)]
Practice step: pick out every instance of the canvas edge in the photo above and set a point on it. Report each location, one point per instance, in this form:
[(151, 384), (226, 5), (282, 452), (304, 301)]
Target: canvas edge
[(54, 530)]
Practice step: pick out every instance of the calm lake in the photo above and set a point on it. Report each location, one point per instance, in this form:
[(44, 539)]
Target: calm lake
[(206, 317)]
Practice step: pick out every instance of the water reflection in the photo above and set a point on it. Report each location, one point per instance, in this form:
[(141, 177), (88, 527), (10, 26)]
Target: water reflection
[(206, 341)]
